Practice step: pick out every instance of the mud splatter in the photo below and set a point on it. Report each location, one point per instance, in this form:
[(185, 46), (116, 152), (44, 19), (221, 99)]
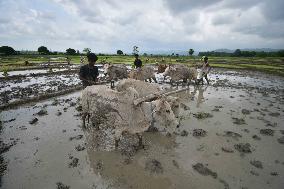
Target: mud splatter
[(202, 115), (257, 164), (154, 166), (60, 185), (199, 133), (203, 170), (268, 132), (238, 121), (243, 147)]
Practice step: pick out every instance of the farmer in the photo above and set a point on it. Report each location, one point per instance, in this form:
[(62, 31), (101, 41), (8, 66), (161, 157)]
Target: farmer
[(205, 70), (137, 62), (89, 73)]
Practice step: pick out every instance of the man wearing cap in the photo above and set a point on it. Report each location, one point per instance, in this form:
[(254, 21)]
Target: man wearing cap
[(205, 70), (89, 73), (137, 62)]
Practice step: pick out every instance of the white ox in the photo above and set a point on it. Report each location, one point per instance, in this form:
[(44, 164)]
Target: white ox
[(145, 89), (115, 72), (181, 72), (143, 74), (109, 108)]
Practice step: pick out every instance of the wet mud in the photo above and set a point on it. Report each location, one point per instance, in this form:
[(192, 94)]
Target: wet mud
[(221, 142)]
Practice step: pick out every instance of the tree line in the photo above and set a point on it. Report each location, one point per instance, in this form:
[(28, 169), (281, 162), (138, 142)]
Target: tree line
[(239, 53), (6, 50)]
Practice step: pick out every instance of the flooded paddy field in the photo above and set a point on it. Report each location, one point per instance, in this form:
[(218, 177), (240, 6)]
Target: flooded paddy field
[(231, 135)]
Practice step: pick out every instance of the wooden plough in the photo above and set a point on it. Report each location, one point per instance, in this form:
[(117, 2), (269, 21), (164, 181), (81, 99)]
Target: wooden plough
[(157, 95)]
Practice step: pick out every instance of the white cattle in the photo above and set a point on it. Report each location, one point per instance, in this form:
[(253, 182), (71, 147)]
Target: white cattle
[(180, 72), (109, 108), (145, 89), (115, 72), (143, 74)]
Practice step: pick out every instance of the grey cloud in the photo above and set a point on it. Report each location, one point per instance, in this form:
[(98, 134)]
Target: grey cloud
[(267, 31), (273, 10), (223, 19), (178, 6), (239, 4)]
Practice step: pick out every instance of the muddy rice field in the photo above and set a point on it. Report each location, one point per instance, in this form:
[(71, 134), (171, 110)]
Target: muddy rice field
[(231, 135)]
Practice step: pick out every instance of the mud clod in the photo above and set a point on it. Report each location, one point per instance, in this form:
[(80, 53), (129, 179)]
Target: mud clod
[(274, 114), (154, 166), (3, 166), (232, 134), (243, 147), (257, 164), (268, 132), (254, 173), (245, 112), (255, 137), (175, 163), (281, 140), (99, 165), (226, 185), (59, 113), (42, 112), (74, 162), (238, 121), (78, 137), (203, 170), (80, 148), (60, 185), (227, 149), (184, 133), (33, 121), (79, 108), (274, 174), (202, 115), (199, 133)]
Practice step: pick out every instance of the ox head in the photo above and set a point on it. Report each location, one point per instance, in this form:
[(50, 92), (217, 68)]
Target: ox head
[(107, 67), (175, 104), (164, 116), (169, 70)]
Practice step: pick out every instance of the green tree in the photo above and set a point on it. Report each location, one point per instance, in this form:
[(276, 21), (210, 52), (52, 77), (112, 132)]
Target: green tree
[(70, 51), (238, 52), (43, 50), (190, 52), (135, 50), (6, 50), (119, 52), (87, 50)]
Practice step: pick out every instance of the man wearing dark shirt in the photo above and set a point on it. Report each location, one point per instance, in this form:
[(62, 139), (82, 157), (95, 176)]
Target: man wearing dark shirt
[(137, 62), (89, 73)]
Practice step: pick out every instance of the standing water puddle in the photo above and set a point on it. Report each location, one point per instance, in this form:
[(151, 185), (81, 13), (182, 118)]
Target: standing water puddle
[(224, 141)]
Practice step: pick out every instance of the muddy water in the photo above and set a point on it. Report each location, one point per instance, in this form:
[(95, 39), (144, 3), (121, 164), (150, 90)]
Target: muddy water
[(229, 115)]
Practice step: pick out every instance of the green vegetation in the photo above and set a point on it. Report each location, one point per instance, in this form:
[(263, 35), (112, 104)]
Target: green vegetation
[(70, 51), (274, 65), (43, 50), (239, 53), (6, 50)]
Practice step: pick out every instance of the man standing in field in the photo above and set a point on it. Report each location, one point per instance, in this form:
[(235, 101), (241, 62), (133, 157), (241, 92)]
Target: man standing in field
[(137, 62), (89, 73), (205, 70)]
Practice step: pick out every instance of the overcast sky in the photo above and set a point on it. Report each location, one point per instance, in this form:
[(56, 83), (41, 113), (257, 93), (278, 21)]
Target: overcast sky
[(108, 25)]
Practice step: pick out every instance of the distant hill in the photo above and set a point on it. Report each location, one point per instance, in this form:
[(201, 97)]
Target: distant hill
[(185, 52), (166, 52), (248, 49)]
